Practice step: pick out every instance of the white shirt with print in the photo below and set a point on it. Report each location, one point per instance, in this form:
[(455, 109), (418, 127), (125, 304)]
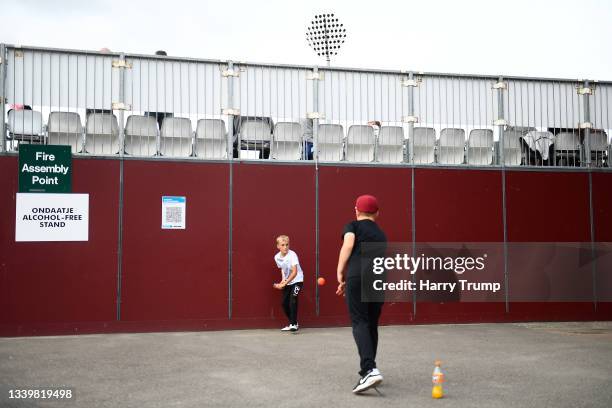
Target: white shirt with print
[(286, 263)]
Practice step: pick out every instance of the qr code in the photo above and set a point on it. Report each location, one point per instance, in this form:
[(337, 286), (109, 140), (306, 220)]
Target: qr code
[(174, 215)]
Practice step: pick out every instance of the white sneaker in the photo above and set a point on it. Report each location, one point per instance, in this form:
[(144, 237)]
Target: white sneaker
[(371, 379), (294, 327), (287, 328)]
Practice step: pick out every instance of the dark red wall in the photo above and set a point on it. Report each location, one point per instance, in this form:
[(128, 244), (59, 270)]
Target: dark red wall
[(175, 274), (459, 206), (180, 279), (546, 207), (338, 189), (271, 200), (47, 284), (602, 218)]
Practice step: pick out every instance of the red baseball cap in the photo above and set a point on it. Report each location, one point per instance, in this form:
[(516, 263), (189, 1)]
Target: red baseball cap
[(366, 203)]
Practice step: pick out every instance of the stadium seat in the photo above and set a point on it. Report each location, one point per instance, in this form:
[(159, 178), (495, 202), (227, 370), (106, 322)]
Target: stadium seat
[(390, 147), (424, 145), (480, 147), (452, 146), (26, 126), (65, 128), (176, 137), (330, 142), (141, 135), (512, 147), (360, 143), (255, 136), (102, 134), (211, 139), (598, 145), (287, 141), (567, 149)]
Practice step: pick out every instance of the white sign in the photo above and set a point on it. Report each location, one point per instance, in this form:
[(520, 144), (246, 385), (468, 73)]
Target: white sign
[(51, 217), (173, 212)]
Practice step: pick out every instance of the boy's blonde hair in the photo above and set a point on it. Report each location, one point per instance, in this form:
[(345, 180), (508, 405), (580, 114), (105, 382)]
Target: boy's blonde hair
[(282, 238)]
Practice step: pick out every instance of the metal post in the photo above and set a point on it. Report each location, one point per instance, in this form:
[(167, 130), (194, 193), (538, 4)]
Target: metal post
[(121, 186), (587, 120), (2, 100), (122, 103), (410, 157), (501, 124), (315, 138), (411, 124), (587, 147), (500, 117), (230, 153)]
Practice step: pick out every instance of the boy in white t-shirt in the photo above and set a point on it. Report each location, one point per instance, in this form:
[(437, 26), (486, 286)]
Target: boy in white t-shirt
[(292, 278)]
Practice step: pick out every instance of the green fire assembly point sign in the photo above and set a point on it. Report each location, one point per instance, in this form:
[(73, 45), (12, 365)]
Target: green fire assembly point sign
[(45, 169)]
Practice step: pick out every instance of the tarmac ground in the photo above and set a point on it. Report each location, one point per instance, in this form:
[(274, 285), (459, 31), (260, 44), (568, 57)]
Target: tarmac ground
[(486, 365)]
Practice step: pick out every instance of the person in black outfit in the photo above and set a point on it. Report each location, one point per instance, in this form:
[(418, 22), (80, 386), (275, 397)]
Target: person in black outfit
[(354, 267)]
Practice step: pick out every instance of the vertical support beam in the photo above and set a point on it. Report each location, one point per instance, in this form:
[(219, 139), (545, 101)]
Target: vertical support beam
[(230, 155), (501, 121), (410, 159), (2, 97), (121, 101), (587, 147), (120, 241), (587, 119), (315, 141), (411, 124)]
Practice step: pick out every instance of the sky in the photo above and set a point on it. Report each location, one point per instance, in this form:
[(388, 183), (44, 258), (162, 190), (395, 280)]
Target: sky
[(536, 38)]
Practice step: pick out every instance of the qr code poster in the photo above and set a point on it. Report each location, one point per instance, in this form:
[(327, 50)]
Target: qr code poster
[(173, 212)]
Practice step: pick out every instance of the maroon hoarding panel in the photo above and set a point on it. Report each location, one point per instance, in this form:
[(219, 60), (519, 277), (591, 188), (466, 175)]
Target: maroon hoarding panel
[(46, 283), (546, 207), (338, 189), (460, 206), (175, 274), (602, 222), (271, 200)]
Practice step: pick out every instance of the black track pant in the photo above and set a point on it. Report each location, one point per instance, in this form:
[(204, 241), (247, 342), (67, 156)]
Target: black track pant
[(364, 319), (290, 301)]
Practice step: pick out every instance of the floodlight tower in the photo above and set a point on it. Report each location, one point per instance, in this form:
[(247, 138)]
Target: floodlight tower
[(325, 35)]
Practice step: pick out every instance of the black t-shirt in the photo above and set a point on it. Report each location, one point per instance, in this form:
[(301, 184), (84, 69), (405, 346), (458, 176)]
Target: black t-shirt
[(366, 231)]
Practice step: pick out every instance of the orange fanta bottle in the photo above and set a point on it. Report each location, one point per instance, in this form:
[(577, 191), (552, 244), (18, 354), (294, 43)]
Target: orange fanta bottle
[(437, 379)]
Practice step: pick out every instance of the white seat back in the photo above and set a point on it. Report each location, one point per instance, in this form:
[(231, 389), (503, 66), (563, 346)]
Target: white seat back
[(176, 137), (255, 130), (360, 143), (141, 135), (567, 141), (25, 124), (287, 141), (102, 134), (65, 128), (452, 146), (512, 147), (424, 145), (480, 147), (211, 139), (330, 142), (390, 147)]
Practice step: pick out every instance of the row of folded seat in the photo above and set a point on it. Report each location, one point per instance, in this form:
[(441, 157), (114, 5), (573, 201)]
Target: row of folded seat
[(361, 145), (285, 140), (101, 133)]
